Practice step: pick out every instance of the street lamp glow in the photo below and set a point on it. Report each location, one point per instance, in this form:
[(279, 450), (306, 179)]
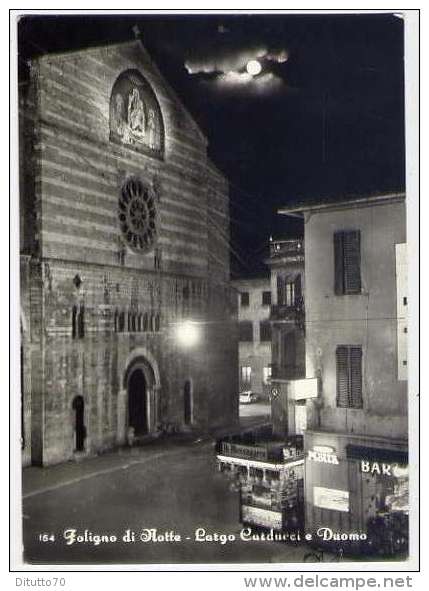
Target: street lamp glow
[(253, 67), (187, 334)]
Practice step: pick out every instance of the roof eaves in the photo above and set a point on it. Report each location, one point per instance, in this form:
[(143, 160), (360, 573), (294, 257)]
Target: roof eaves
[(298, 209)]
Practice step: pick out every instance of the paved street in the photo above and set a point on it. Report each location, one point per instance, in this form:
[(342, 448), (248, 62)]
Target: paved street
[(172, 488)]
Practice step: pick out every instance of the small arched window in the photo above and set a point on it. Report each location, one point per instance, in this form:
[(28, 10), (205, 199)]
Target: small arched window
[(145, 322), (78, 322), (81, 323), (121, 326)]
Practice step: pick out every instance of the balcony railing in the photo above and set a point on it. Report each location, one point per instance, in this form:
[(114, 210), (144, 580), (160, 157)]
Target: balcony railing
[(286, 313), (286, 247)]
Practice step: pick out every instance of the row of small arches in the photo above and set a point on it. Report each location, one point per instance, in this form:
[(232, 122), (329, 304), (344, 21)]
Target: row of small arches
[(137, 321)]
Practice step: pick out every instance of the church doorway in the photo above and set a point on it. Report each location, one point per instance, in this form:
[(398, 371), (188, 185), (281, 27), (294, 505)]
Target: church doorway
[(80, 431), (137, 402)]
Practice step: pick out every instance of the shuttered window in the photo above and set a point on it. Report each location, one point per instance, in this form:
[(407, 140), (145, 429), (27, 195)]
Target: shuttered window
[(289, 290), (347, 262), (265, 330), (349, 376), (244, 299), (246, 376), (298, 291), (266, 298), (245, 331)]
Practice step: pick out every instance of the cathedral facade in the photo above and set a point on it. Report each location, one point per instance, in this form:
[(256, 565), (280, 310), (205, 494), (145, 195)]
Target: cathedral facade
[(127, 321)]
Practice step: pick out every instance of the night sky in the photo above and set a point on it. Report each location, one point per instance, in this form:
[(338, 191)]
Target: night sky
[(323, 118)]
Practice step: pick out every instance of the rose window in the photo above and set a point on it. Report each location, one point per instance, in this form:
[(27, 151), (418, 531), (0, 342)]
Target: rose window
[(138, 215)]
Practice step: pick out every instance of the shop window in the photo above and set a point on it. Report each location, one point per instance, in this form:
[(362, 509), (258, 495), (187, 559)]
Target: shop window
[(139, 322), (245, 330), (244, 299), (386, 499), (265, 330), (266, 298), (157, 322), (349, 376), (145, 322), (133, 323), (347, 262), (246, 376)]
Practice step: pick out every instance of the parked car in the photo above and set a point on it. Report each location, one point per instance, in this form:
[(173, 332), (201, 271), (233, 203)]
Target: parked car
[(248, 397)]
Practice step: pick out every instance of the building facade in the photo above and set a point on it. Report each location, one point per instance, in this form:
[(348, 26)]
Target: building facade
[(123, 259), (254, 328), (290, 391), (356, 441)]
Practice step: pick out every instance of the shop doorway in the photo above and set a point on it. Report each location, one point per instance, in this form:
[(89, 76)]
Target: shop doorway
[(137, 402), (187, 402), (80, 431)]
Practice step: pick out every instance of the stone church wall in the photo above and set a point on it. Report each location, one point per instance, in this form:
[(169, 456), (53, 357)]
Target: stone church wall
[(100, 296)]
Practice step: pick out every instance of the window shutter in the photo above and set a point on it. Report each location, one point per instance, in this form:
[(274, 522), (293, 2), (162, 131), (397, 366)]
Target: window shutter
[(265, 330), (245, 330), (298, 291), (338, 263), (347, 262), (356, 377), (352, 282), (280, 291), (342, 377)]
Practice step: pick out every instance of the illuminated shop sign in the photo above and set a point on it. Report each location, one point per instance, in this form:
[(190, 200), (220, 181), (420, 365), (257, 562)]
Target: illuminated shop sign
[(370, 467), (330, 498), (244, 451), (379, 461), (262, 517), (323, 454)]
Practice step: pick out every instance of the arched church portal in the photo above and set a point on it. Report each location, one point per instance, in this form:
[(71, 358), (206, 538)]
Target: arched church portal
[(139, 384), (79, 426), (137, 402)]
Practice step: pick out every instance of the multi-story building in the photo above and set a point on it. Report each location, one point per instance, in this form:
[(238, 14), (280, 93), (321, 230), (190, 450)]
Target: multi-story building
[(254, 329), (356, 441), (290, 389), (267, 465), (124, 261)]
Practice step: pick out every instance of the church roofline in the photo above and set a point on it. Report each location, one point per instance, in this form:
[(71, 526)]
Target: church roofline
[(70, 53)]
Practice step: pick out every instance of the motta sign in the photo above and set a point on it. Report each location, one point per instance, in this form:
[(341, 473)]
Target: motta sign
[(323, 454)]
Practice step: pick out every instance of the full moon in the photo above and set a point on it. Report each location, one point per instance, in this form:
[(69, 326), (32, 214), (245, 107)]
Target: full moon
[(253, 67)]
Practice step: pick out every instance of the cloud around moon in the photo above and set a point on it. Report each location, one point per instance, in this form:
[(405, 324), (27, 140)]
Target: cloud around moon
[(227, 69)]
